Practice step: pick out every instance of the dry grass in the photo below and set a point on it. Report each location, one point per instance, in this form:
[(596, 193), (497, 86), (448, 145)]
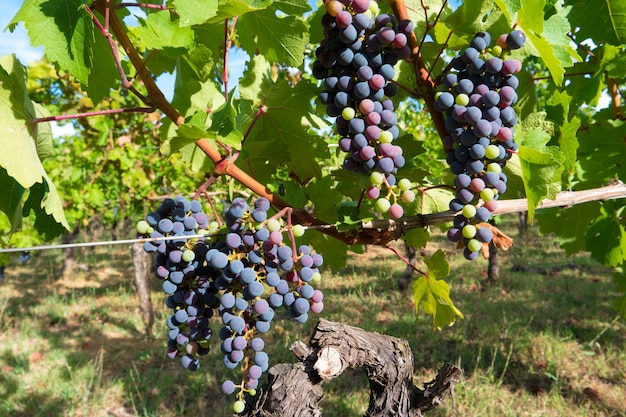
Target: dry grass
[(530, 345)]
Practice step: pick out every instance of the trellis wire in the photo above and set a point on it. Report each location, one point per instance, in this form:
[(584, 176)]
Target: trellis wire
[(103, 243)]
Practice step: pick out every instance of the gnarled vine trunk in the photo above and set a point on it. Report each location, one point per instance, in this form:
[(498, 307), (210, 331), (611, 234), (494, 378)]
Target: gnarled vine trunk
[(296, 389)]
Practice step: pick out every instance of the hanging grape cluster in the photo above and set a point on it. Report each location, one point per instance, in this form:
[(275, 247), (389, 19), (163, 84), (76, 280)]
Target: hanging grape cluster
[(477, 96), (356, 60), (237, 276)]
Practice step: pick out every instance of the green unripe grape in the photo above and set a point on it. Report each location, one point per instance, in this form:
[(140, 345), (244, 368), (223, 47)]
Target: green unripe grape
[(298, 230), (385, 137), (487, 194), (474, 245), (494, 167), (462, 99), (239, 406), (376, 178), (143, 227), (404, 184), (214, 225), (469, 211), (469, 231), (273, 225), (188, 255), (492, 152), (382, 205), (496, 50), (408, 196), (252, 392), (348, 113), (373, 8), (317, 277)]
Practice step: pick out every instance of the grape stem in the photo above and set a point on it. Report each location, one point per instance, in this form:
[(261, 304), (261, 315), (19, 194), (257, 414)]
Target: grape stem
[(142, 5), (93, 113), (405, 260)]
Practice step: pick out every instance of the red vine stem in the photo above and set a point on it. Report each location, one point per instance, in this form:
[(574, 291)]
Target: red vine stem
[(406, 261), (142, 5), (93, 113)]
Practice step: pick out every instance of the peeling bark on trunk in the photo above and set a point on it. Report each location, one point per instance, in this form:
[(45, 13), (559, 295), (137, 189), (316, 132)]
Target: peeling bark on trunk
[(143, 264), (295, 389)]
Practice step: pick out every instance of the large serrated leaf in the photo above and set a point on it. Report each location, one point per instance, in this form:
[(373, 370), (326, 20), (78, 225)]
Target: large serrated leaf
[(64, 29), (195, 12), (432, 296), (617, 12), (606, 239), (159, 31), (281, 39), (281, 134), (541, 168), (20, 143), (569, 225)]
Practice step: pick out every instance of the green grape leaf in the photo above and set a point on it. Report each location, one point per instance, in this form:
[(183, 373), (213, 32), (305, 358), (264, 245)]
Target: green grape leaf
[(223, 125), (438, 267), (294, 194), (10, 203), (44, 201), (349, 216), (105, 76), (280, 136), (158, 31), (335, 252), (606, 239), (324, 198), (508, 7), (280, 38), (20, 143), (569, 226), (417, 238), (568, 129), (195, 12), (64, 29), (555, 31), (231, 8), (541, 168), (432, 295), (617, 11), (602, 150), (433, 200), (530, 15), (186, 134), (603, 14), (476, 15), (539, 46), (253, 82), (515, 182)]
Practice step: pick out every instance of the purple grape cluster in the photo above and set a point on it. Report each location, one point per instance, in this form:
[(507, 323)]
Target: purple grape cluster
[(356, 60), (239, 274), (477, 97)]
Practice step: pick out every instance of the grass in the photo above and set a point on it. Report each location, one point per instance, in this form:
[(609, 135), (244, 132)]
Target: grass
[(530, 345)]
